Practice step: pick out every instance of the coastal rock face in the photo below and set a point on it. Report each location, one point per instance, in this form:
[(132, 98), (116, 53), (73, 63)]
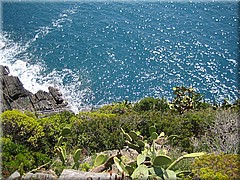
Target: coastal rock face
[(15, 96)]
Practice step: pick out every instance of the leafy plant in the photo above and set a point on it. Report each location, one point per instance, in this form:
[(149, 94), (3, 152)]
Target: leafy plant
[(151, 162), (100, 159), (61, 150)]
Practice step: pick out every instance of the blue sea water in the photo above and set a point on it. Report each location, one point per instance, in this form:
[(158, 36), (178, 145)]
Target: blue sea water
[(103, 52)]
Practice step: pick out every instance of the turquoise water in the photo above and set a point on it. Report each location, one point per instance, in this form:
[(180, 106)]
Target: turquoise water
[(99, 52)]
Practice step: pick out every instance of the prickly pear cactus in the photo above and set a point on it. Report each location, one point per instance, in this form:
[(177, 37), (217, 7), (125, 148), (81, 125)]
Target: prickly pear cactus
[(150, 163), (76, 158), (134, 140), (100, 159), (141, 172), (65, 131)]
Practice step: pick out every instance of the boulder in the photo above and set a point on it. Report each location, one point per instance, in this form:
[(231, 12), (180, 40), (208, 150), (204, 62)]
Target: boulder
[(79, 175), (15, 176), (39, 176), (22, 103)]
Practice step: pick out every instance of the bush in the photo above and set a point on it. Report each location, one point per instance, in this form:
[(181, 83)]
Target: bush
[(188, 125), (97, 132), (194, 124), (150, 103), (18, 157), (115, 108), (52, 127), (21, 128), (222, 134), (217, 166)]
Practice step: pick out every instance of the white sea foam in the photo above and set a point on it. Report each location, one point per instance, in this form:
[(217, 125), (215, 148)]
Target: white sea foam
[(34, 76), (19, 65)]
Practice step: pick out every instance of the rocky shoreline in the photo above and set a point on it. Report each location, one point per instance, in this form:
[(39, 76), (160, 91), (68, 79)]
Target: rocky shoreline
[(15, 96)]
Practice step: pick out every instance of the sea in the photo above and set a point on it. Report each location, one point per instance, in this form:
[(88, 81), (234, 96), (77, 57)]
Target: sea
[(101, 52)]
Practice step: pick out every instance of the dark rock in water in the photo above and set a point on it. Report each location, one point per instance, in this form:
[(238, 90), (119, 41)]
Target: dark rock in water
[(41, 95), (56, 95), (14, 87), (15, 96)]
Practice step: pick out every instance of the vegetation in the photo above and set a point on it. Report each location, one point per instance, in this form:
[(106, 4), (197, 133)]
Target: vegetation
[(152, 162), (16, 156), (65, 139), (217, 166), (21, 128)]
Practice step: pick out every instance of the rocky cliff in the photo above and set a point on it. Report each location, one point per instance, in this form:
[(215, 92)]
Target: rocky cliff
[(15, 96)]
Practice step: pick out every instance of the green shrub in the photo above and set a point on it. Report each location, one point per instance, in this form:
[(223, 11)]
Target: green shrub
[(18, 157), (21, 128), (52, 127), (150, 103), (97, 132), (217, 166), (116, 108), (39, 134), (193, 124)]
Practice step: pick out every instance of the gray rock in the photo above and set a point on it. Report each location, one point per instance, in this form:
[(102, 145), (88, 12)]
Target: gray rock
[(68, 174), (4, 70), (4, 103), (39, 176), (15, 96), (25, 103), (41, 95), (56, 94), (14, 87), (27, 176), (15, 176), (43, 176), (43, 105)]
